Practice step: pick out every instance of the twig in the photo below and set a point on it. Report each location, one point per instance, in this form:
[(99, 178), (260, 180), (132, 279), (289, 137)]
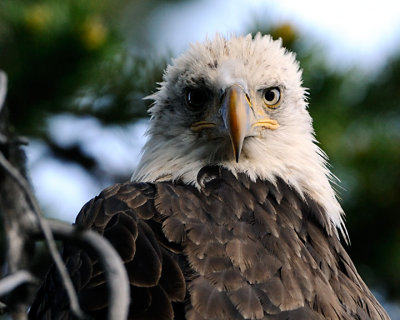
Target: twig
[(3, 88), (13, 281), (21, 181), (116, 276), (3, 307), (117, 279)]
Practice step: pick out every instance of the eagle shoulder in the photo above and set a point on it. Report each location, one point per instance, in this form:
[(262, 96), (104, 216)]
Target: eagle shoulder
[(124, 214)]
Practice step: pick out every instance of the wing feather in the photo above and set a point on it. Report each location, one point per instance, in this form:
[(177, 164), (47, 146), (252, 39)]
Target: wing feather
[(247, 302), (126, 215)]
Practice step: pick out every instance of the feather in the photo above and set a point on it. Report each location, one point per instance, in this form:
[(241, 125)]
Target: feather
[(210, 302), (221, 234), (289, 278), (216, 248), (172, 279), (132, 197), (89, 213), (199, 233), (94, 298), (145, 269), (194, 315), (246, 301), (208, 263), (160, 308), (140, 301), (241, 254), (174, 230), (259, 190), (122, 233), (265, 222), (229, 279), (263, 269)]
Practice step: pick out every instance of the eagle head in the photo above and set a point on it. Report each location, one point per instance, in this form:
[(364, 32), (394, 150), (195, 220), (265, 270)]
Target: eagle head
[(237, 103)]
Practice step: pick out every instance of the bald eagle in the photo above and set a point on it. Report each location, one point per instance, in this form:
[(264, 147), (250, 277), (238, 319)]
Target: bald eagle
[(230, 213)]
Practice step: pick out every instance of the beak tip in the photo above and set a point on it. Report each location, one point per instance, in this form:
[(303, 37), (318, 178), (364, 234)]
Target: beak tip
[(237, 157), (236, 152)]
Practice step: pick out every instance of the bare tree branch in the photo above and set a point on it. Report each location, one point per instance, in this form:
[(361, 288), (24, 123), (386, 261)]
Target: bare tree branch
[(23, 183), (23, 220), (117, 279), (16, 212), (116, 276), (13, 281), (19, 216), (3, 88)]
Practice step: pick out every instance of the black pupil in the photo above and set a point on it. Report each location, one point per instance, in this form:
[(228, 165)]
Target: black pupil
[(196, 97), (270, 95)]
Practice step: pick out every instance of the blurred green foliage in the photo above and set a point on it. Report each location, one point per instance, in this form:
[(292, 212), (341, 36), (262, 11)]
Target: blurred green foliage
[(55, 52), (48, 48), (70, 56)]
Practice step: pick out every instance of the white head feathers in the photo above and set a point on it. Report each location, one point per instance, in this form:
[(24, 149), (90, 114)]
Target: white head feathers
[(175, 151)]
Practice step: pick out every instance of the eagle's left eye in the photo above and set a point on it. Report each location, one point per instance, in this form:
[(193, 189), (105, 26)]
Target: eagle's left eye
[(196, 98), (272, 97)]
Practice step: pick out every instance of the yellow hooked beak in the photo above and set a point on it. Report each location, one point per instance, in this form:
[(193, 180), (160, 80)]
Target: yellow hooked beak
[(239, 119), (236, 109)]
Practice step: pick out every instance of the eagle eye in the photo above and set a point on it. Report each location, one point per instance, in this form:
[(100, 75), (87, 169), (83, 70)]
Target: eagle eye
[(197, 98), (272, 97)]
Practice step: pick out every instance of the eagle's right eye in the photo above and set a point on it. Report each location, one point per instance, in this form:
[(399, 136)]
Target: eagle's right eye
[(196, 98)]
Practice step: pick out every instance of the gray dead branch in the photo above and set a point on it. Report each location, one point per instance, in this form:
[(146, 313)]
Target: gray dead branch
[(24, 224)]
